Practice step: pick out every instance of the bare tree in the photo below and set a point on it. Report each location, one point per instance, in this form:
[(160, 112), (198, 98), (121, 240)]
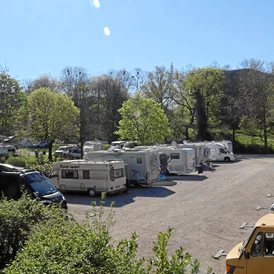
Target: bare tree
[(44, 81), (159, 86)]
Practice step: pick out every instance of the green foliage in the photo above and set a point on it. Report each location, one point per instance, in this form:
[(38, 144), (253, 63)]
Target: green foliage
[(16, 161), (142, 120), (49, 116), (206, 87), (11, 98), (17, 219), (85, 248), (179, 262), (46, 168)]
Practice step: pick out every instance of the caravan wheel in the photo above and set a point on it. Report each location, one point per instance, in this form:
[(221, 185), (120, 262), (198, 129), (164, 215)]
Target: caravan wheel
[(227, 159), (91, 192)]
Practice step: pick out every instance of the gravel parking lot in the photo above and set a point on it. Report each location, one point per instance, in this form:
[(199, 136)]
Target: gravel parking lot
[(205, 209)]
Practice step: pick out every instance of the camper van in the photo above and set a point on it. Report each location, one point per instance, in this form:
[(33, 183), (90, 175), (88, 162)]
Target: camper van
[(91, 176), (180, 161), (256, 254), (219, 152), (142, 165), (200, 155), (91, 146)]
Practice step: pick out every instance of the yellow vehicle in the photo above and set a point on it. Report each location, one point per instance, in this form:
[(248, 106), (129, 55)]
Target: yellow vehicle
[(256, 254)]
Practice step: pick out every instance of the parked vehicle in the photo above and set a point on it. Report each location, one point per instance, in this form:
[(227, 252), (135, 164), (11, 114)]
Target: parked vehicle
[(180, 161), (3, 151), (90, 146), (15, 180), (142, 165), (91, 176), (116, 145), (256, 254), (75, 153), (41, 144), (218, 152), (59, 151)]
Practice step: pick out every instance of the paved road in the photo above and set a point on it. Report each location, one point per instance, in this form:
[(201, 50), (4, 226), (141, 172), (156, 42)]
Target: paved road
[(206, 210)]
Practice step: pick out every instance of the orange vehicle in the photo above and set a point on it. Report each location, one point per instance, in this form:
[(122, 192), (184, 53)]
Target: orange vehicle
[(256, 254)]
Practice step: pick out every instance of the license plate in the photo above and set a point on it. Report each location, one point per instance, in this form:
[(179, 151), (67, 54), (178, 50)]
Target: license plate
[(117, 186)]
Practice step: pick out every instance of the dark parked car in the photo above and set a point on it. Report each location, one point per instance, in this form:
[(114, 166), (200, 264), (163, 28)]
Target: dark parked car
[(15, 180), (41, 144)]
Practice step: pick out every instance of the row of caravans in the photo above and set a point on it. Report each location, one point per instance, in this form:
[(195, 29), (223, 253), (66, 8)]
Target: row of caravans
[(112, 171)]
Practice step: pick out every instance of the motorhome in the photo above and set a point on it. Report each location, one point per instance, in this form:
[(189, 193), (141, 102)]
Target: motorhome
[(91, 146), (256, 254), (116, 145), (142, 165), (200, 153), (90, 176), (219, 152), (180, 161)]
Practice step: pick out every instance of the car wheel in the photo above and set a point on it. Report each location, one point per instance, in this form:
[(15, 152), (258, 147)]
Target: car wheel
[(91, 192)]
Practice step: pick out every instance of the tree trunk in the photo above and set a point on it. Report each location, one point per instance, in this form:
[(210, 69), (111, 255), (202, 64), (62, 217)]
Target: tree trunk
[(202, 122)]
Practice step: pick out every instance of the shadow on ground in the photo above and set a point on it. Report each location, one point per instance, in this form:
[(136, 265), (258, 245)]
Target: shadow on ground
[(120, 199)]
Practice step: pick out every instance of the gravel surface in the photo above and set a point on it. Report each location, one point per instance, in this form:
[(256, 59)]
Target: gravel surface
[(206, 210)]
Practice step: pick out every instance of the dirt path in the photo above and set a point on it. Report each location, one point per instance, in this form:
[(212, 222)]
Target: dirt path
[(206, 210)]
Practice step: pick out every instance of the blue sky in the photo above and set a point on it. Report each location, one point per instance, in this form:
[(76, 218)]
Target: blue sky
[(43, 36)]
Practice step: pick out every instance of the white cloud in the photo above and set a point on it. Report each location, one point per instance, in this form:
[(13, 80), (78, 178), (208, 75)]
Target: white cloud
[(96, 4), (106, 31)]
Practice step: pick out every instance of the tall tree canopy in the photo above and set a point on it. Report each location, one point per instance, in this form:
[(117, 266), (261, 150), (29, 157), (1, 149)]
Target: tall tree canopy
[(205, 85), (257, 94), (143, 120), (48, 116)]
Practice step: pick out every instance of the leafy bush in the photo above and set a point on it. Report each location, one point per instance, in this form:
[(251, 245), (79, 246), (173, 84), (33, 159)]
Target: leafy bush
[(88, 248), (17, 218), (46, 168), (16, 161)]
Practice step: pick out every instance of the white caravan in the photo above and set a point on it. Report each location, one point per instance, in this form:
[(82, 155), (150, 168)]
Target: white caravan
[(181, 161), (219, 152), (200, 151), (142, 166), (91, 146), (91, 176)]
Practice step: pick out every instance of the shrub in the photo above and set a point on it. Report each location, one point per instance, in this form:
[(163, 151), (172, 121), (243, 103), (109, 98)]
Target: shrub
[(17, 218), (46, 168), (88, 248), (16, 161)]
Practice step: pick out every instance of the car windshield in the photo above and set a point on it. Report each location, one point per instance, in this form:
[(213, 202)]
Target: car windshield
[(40, 183)]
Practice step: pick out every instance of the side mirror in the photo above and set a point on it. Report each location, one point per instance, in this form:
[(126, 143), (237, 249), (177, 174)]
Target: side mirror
[(246, 254)]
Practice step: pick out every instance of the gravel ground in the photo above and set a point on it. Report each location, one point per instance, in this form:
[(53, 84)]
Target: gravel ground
[(206, 210)]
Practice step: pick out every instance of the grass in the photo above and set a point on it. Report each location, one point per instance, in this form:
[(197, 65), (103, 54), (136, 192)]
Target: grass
[(253, 140)]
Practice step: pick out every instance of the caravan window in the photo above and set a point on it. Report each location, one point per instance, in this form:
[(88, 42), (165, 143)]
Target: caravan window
[(118, 173), (70, 174), (139, 160), (174, 156), (86, 174)]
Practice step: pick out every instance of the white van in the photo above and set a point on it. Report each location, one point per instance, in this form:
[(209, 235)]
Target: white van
[(91, 176), (219, 152)]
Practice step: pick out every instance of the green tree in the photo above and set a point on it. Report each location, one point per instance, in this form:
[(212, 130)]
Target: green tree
[(142, 120), (11, 98), (48, 116), (257, 93), (205, 85)]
